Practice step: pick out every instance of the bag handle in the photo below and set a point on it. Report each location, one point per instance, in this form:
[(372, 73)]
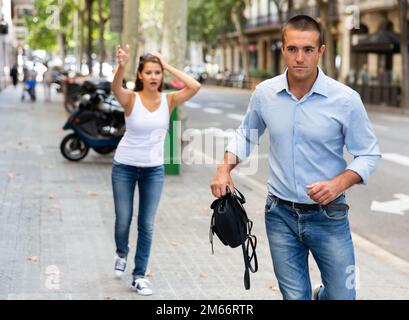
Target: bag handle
[(236, 193)]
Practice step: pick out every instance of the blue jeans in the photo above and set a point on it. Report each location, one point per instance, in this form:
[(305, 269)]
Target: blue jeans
[(293, 233), (150, 185)]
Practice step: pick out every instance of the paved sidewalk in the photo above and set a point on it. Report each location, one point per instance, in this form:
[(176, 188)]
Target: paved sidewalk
[(57, 217)]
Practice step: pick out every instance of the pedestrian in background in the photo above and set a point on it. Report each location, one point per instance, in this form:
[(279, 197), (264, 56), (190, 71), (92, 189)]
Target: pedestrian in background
[(139, 157), (364, 75), (47, 81), (14, 74), (310, 118)]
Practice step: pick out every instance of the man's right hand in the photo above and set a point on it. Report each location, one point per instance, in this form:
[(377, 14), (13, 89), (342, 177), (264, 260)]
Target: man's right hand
[(221, 180), (122, 56)]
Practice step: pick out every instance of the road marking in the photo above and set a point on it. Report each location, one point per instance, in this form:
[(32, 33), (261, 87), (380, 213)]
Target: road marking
[(235, 116), (192, 105), (397, 158), (397, 206), (212, 110), (221, 105)]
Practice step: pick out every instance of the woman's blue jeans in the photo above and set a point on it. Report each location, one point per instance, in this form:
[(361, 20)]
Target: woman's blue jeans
[(150, 185), (293, 233)]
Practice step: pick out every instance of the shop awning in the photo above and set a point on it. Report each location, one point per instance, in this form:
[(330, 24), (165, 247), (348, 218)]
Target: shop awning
[(382, 41)]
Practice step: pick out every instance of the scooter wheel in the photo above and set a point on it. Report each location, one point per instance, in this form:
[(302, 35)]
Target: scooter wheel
[(73, 148)]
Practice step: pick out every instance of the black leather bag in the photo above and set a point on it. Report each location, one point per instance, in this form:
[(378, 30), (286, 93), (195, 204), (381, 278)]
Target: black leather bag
[(232, 226)]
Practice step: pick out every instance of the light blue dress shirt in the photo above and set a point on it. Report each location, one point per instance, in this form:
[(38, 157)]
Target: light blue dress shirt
[(307, 136)]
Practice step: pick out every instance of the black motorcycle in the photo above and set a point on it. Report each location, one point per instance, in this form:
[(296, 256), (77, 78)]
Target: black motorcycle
[(98, 123)]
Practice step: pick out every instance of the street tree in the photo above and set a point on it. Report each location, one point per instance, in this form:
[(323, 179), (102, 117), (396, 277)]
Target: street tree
[(151, 23), (130, 35), (404, 47), (211, 20), (205, 24), (103, 18), (174, 34), (327, 26), (51, 26)]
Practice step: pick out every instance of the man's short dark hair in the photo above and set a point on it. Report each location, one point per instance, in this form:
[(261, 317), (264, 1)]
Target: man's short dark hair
[(303, 23)]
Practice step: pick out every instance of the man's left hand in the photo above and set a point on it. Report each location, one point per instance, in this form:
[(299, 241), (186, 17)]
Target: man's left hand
[(324, 192)]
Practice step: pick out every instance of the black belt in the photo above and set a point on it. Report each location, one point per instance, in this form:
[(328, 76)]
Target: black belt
[(314, 207)]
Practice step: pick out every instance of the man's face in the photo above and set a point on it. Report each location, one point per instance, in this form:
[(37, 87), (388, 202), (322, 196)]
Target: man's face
[(301, 53)]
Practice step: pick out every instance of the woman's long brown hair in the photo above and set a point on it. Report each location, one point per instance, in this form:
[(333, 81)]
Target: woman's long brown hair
[(143, 59)]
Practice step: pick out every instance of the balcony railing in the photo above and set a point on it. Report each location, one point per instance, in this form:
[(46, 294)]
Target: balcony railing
[(388, 95), (275, 21)]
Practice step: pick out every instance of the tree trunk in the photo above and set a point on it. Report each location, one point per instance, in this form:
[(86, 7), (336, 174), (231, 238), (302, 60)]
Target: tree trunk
[(61, 44), (90, 28), (61, 37), (102, 21), (130, 35), (174, 40), (82, 33), (329, 55), (243, 43), (403, 11)]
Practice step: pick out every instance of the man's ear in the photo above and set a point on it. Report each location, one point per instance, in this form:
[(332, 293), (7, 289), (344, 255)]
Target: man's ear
[(322, 49)]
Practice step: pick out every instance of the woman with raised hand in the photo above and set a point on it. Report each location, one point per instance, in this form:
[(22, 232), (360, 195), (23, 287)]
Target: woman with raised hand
[(139, 158)]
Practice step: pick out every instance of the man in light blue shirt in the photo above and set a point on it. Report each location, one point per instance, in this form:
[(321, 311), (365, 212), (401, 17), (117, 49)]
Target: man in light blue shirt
[(310, 118)]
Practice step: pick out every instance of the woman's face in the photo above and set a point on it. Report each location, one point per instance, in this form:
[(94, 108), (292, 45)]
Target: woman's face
[(151, 76)]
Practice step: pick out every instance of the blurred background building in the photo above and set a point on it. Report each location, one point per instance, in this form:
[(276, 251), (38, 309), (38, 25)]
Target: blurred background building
[(13, 34), (362, 39)]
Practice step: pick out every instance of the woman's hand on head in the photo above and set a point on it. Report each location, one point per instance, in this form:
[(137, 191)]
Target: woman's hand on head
[(122, 55), (159, 55)]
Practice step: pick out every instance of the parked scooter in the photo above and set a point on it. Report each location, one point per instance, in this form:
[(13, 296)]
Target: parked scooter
[(98, 123)]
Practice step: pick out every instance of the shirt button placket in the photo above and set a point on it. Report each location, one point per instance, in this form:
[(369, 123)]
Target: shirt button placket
[(295, 147)]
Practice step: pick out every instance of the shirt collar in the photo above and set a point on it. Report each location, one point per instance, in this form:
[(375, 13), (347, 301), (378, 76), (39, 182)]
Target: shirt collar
[(319, 86)]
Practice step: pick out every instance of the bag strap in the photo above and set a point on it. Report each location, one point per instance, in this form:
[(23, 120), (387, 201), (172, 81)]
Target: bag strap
[(250, 242), (237, 194), (211, 232)]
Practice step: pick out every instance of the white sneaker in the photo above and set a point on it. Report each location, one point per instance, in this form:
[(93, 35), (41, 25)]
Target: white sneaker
[(120, 266), (315, 291), (142, 286)]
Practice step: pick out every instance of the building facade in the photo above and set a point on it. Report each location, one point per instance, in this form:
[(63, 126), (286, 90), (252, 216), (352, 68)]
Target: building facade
[(13, 34), (374, 16), (351, 22), (6, 52), (263, 34)]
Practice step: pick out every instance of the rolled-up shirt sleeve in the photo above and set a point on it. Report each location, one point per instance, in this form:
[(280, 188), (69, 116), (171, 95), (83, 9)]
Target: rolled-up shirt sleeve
[(249, 132), (360, 139)]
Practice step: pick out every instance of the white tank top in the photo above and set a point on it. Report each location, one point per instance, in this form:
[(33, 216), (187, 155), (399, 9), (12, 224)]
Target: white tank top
[(143, 142)]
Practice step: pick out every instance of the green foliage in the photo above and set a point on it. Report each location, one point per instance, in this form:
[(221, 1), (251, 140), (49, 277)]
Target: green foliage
[(208, 19), (42, 34), (44, 28), (260, 74)]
